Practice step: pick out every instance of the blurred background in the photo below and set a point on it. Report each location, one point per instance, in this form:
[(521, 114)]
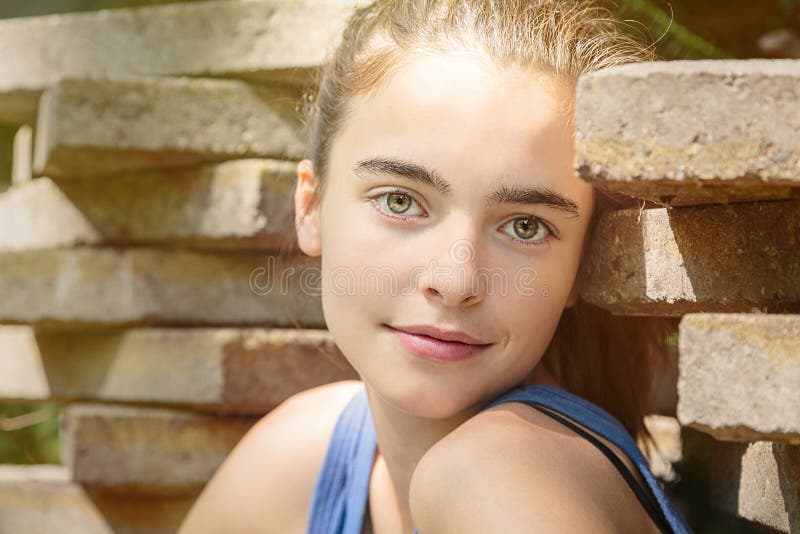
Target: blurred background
[(683, 29)]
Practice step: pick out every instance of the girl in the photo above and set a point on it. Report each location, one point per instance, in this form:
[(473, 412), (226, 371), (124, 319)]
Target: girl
[(441, 196)]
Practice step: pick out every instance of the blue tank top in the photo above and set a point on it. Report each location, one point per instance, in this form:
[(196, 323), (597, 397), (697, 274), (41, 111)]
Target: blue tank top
[(339, 501)]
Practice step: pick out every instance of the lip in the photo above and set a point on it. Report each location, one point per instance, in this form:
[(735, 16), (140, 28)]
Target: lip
[(435, 348), (441, 333)]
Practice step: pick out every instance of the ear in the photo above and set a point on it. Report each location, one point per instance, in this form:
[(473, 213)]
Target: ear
[(306, 209)]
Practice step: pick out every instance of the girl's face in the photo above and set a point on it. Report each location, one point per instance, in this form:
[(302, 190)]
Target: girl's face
[(452, 201)]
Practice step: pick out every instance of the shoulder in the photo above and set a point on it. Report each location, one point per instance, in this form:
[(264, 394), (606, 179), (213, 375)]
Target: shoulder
[(268, 479), (518, 470)]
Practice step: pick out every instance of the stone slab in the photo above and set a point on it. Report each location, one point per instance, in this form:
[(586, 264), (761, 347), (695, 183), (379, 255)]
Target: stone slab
[(739, 257), (22, 157), (740, 376), (242, 204), (757, 481), (106, 287), (152, 451), (225, 370), (691, 132), (41, 499), (89, 127), (275, 41)]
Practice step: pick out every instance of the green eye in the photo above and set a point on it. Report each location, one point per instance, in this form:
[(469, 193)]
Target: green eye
[(398, 202), (395, 203), (527, 228)]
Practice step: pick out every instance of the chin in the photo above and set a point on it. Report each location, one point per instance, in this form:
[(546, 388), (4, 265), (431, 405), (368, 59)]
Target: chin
[(420, 399)]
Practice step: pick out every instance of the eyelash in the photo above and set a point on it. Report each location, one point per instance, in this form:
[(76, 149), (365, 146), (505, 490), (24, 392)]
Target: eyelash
[(543, 242)]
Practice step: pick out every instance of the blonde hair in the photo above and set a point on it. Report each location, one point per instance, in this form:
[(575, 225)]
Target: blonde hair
[(608, 360)]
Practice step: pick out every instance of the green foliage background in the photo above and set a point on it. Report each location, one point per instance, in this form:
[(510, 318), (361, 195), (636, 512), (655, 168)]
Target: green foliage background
[(31, 444)]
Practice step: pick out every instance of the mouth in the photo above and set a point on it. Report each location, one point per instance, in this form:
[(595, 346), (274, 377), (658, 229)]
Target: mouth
[(441, 334), (424, 341)]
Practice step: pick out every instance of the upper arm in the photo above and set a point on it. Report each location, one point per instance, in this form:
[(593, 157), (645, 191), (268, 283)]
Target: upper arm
[(501, 477), (266, 481)]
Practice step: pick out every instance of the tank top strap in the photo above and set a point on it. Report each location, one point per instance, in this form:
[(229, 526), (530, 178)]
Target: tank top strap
[(338, 504), (340, 494), (600, 421)]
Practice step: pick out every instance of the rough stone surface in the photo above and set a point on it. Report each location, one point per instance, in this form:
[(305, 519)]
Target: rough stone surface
[(264, 40), (99, 126), (757, 481), (37, 214), (690, 132), (740, 376), (112, 287), (738, 257), (238, 204), (152, 451), (247, 370), (22, 157), (41, 499)]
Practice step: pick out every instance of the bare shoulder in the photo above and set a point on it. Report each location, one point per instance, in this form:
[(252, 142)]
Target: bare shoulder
[(521, 471), (266, 483)]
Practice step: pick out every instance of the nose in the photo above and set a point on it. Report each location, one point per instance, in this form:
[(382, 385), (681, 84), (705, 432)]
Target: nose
[(451, 277)]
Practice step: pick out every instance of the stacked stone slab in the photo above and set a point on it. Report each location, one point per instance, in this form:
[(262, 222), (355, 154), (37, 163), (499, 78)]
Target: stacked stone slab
[(270, 41), (711, 151), (150, 276)]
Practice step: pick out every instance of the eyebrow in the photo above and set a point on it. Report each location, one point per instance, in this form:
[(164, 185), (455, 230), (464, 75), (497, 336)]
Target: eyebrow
[(503, 194)]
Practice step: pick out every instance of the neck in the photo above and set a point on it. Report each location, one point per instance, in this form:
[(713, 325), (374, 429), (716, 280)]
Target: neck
[(403, 439)]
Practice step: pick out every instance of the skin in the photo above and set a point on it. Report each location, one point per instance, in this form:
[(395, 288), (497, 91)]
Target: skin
[(478, 126)]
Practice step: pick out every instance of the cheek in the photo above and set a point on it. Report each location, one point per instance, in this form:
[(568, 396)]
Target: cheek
[(545, 280), (360, 249), (361, 272), (537, 296), (532, 315)]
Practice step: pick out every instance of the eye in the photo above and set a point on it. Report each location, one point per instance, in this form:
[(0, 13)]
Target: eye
[(394, 204), (527, 229)]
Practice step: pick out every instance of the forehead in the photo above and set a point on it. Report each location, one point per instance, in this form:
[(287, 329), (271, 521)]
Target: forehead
[(433, 88), (464, 115)]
